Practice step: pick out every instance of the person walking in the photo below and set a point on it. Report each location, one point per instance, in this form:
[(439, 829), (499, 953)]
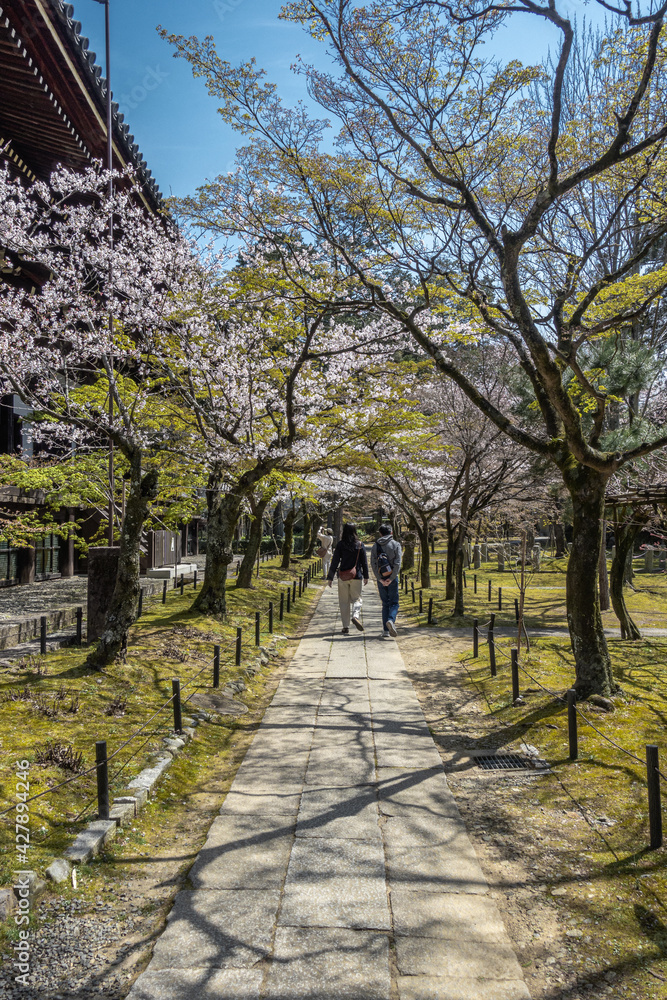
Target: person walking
[(386, 556), (349, 561), (325, 550)]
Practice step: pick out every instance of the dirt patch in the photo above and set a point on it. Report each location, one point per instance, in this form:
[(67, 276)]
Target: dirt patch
[(545, 858)]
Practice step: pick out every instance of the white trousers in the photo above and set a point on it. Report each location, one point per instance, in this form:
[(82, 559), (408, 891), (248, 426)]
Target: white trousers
[(326, 562), (349, 593)]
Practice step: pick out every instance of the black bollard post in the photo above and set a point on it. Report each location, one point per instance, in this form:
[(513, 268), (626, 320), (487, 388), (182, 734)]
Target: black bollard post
[(442, 569), (194, 581), (474, 583), (515, 674), (489, 590), (289, 592), (299, 586), (281, 612), (239, 640), (216, 666), (475, 638), (516, 609), (654, 809), (465, 582), (294, 592), (500, 598), (176, 693), (430, 610), (102, 779), (164, 591), (436, 567), (492, 647), (257, 628), (572, 723), (42, 635), (182, 584), (412, 586), (79, 626), (140, 609)]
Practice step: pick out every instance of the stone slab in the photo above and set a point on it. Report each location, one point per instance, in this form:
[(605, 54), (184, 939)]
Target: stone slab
[(447, 915), (419, 956), (423, 829), (122, 813), (217, 929), (432, 988), (197, 984), (350, 813), (402, 792), (264, 804), (336, 883), (329, 964), (244, 852), (434, 869)]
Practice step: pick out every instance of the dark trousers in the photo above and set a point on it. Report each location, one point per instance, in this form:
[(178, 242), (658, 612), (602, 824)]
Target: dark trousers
[(389, 598)]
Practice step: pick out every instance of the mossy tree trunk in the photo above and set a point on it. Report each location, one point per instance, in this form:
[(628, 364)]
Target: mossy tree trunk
[(124, 604), (589, 645), (409, 542), (224, 509), (288, 523), (244, 579)]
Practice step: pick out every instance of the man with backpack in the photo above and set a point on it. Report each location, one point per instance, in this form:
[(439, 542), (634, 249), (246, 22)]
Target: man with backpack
[(386, 556)]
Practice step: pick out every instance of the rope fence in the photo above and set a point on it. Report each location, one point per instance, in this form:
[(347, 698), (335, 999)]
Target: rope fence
[(651, 761), (103, 758)]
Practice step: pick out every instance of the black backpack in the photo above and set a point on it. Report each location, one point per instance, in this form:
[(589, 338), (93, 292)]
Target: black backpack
[(385, 568)]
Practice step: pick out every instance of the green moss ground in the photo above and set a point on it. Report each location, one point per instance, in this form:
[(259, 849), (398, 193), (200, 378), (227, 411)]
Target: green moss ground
[(169, 641)]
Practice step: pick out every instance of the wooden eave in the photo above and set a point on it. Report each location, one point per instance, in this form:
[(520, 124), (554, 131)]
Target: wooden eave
[(53, 99)]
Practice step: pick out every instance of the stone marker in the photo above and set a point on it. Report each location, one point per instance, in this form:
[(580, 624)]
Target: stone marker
[(537, 557), (477, 556), (648, 559), (102, 569)]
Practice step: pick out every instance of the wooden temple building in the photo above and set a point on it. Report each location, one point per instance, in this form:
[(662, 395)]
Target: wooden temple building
[(52, 111)]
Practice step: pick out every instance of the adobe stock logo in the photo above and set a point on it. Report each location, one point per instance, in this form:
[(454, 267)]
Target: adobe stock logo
[(225, 7), (153, 78)]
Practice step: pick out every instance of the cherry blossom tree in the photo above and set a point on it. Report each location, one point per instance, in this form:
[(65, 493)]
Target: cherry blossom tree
[(77, 345)]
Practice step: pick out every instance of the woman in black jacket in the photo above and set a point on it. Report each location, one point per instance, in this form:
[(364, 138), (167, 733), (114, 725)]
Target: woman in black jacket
[(349, 561)]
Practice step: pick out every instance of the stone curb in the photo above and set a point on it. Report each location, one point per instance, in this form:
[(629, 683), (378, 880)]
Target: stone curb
[(123, 809)]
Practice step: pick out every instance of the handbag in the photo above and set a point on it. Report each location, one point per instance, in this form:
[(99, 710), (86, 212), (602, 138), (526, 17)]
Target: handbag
[(321, 552), (350, 574)]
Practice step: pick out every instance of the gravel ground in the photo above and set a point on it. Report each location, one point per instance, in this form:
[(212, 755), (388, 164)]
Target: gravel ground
[(70, 948)]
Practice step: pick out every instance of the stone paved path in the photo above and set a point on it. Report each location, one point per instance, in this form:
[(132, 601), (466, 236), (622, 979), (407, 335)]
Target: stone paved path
[(339, 867)]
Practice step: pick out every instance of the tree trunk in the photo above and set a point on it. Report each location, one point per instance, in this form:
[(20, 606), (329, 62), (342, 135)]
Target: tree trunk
[(560, 540), (459, 545), (450, 587), (288, 523), (124, 605), (223, 514), (315, 525), (589, 645), (307, 522), (244, 579), (603, 576), (424, 544), (409, 541), (624, 536)]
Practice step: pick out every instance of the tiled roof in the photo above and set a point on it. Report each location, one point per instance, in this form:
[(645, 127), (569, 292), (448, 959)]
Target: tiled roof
[(98, 87)]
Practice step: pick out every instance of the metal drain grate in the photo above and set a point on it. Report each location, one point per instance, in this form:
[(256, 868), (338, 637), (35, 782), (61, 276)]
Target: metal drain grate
[(504, 762)]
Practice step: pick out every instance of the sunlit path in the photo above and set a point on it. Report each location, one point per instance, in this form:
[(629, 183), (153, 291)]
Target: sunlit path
[(339, 861)]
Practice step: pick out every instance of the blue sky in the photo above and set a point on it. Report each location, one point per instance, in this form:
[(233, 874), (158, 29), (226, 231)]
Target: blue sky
[(173, 119)]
